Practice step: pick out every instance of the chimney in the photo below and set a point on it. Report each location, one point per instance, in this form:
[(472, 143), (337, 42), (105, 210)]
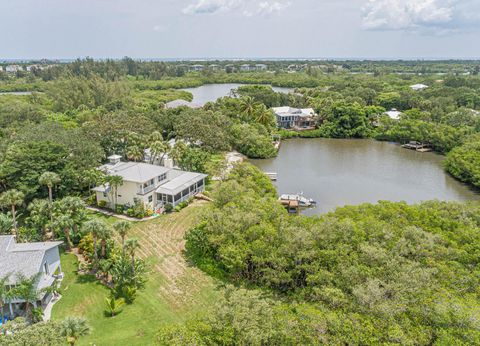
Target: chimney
[(114, 159)]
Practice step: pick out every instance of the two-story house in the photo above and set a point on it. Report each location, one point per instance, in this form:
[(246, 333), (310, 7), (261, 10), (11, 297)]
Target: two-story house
[(29, 259), (153, 185), (295, 118)]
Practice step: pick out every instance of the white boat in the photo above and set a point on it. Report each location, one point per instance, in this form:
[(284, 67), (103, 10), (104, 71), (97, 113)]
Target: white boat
[(302, 201)]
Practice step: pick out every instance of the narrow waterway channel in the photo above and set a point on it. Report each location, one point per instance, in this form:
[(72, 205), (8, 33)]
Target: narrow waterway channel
[(338, 172)]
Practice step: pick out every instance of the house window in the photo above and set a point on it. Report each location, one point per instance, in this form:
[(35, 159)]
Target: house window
[(45, 267), (162, 177), (105, 194), (150, 199)]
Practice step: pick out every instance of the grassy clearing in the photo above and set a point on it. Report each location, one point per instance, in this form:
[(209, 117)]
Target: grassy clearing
[(174, 291)]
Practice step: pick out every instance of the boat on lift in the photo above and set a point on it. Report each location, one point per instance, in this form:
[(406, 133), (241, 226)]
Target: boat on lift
[(302, 201)]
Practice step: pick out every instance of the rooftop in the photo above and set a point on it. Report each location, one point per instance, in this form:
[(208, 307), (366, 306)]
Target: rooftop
[(137, 172), (25, 258), (179, 183), (180, 103), (288, 111)]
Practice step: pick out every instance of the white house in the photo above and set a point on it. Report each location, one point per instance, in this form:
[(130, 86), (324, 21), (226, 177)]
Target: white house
[(153, 185), (245, 68), (418, 87), (288, 117), (394, 114), (29, 259), (12, 68), (261, 67), (181, 103), (197, 67)]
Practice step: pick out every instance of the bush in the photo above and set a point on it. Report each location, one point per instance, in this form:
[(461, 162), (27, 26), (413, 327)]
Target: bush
[(85, 246), (102, 204), (139, 209), (168, 208), (119, 209), (130, 212), (91, 200)]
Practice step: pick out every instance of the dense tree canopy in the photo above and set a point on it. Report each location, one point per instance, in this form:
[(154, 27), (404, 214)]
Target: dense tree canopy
[(375, 266)]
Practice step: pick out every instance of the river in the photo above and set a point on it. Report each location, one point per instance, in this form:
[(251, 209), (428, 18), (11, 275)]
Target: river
[(338, 172), (212, 92)]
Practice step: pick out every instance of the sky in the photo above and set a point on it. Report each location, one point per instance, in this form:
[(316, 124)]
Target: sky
[(373, 29)]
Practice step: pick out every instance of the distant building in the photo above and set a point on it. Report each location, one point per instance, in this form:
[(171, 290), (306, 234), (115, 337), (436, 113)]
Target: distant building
[(418, 87), (295, 118), (197, 68), (181, 103), (13, 68), (261, 67), (394, 114), (29, 259), (214, 67), (245, 68)]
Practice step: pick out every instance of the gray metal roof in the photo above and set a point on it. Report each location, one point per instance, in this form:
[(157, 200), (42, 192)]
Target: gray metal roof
[(137, 172), (180, 183), (180, 103), (25, 258)]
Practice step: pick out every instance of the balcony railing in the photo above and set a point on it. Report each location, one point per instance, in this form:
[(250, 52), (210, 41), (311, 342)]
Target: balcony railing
[(145, 190)]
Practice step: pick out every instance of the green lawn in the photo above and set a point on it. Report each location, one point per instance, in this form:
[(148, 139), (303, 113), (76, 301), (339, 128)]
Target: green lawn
[(174, 291)]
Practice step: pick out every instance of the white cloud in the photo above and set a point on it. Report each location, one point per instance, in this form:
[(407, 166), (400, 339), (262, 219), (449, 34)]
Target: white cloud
[(410, 15), (248, 8), (211, 6), (267, 8)]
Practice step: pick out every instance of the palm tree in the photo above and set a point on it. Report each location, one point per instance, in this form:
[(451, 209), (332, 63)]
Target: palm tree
[(12, 199), (122, 227), (91, 178), (264, 115), (65, 223), (248, 106), (94, 227), (50, 179), (114, 181), (134, 153), (39, 217), (73, 328), (26, 289), (75, 207), (4, 294), (132, 245), (104, 233), (158, 149)]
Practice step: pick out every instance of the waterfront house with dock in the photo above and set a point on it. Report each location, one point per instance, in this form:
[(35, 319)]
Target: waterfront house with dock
[(295, 118)]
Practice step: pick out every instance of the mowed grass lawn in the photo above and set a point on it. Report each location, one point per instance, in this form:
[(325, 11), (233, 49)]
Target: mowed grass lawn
[(174, 291)]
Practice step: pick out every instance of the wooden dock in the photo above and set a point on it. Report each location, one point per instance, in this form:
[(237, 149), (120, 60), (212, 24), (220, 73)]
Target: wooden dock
[(418, 146), (293, 207)]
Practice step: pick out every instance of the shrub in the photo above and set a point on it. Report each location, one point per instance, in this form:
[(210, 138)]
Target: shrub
[(91, 200), (139, 210), (168, 208), (130, 212), (85, 246), (119, 209), (102, 204), (149, 212)]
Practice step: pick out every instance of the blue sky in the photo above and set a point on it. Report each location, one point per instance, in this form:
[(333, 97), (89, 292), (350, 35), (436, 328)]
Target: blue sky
[(239, 28)]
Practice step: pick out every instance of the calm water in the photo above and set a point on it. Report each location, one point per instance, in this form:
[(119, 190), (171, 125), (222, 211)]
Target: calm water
[(212, 92), (337, 172)]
